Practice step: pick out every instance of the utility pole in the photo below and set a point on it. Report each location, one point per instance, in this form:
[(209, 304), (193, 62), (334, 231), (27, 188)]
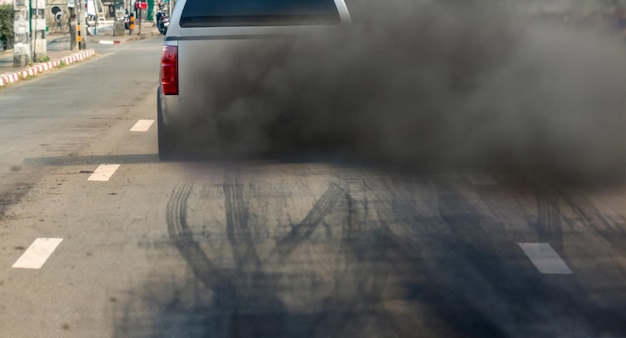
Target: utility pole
[(95, 22), (71, 5), (82, 23), (139, 17), (21, 31), (38, 25)]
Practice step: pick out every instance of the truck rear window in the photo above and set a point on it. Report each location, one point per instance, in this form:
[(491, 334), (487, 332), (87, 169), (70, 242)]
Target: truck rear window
[(229, 13)]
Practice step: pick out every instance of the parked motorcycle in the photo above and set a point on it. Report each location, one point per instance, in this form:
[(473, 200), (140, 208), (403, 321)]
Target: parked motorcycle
[(163, 21)]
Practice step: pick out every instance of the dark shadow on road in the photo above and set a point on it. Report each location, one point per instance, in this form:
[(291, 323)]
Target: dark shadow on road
[(91, 159), (540, 173), (364, 262)]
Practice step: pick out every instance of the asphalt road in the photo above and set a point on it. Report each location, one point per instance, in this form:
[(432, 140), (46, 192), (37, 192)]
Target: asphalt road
[(265, 248)]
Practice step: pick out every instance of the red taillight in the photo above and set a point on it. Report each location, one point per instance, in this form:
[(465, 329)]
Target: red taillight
[(169, 70)]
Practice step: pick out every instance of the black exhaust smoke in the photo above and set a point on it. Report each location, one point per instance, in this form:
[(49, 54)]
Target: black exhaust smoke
[(429, 84)]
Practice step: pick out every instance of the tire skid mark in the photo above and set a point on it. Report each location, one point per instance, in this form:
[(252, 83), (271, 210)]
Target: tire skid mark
[(234, 298), (477, 266), (367, 247), (457, 212), (385, 201), (548, 224), (237, 229), (181, 235), (380, 244), (395, 207), (589, 216), (303, 230), (232, 292), (382, 238), (393, 242)]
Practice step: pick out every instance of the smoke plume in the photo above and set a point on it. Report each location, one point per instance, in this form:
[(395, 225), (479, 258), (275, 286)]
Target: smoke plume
[(429, 84)]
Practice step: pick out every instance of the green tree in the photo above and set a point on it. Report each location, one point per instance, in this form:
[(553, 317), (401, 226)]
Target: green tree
[(6, 25)]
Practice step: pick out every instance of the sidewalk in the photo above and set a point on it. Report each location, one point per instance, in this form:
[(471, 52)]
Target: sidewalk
[(59, 54), (106, 37)]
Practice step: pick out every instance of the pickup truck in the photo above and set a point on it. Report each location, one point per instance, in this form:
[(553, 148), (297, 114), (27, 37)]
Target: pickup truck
[(200, 39)]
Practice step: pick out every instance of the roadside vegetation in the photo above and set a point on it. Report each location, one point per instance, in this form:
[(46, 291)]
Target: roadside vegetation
[(6, 27)]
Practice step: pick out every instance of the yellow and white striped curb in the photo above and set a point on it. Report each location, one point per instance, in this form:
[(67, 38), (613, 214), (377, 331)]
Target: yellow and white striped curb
[(6, 79)]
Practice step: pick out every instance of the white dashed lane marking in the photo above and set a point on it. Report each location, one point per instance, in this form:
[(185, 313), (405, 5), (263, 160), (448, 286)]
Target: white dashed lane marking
[(545, 259), (142, 125), (103, 172), (38, 253)]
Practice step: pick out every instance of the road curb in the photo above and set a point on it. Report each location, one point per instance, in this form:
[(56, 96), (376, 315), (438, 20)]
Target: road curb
[(6, 79)]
